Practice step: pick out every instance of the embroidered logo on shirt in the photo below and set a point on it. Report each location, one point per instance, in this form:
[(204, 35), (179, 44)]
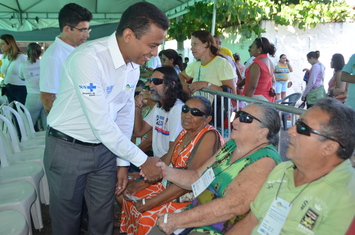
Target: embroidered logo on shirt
[(309, 219), (109, 89), (129, 87), (89, 89)]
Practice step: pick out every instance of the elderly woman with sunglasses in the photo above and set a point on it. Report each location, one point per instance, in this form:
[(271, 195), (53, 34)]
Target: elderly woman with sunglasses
[(227, 183), (196, 143)]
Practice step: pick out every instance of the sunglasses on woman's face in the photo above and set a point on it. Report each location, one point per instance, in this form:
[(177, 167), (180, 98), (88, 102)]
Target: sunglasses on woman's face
[(156, 81), (244, 117), (193, 111), (303, 129)]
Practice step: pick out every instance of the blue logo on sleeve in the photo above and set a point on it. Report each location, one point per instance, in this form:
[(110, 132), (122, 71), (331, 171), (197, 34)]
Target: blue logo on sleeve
[(91, 87), (109, 89)]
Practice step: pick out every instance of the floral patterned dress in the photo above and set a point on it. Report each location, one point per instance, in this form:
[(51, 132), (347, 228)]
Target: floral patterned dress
[(134, 222)]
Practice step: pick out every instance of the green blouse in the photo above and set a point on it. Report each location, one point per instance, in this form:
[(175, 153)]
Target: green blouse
[(225, 172)]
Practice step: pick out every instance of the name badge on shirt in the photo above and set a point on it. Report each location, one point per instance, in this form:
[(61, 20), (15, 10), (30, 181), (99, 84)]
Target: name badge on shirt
[(203, 182), (275, 217)]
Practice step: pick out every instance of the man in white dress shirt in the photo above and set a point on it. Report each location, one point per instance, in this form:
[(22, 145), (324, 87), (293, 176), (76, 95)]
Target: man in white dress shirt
[(91, 122)]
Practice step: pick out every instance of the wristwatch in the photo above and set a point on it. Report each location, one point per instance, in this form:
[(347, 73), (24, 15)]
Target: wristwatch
[(209, 84)]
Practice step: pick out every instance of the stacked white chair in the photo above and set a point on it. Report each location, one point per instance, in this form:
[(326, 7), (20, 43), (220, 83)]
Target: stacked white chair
[(18, 196), (27, 119), (14, 155), (30, 172), (26, 141), (13, 222)]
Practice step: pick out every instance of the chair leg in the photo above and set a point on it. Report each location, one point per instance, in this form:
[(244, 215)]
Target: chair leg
[(284, 120)]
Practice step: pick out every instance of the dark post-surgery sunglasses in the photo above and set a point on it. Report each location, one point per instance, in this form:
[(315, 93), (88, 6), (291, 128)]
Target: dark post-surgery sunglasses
[(194, 111), (156, 81), (303, 129), (244, 117)]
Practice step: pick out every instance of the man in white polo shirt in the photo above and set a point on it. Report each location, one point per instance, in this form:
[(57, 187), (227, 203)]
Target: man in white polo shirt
[(74, 22)]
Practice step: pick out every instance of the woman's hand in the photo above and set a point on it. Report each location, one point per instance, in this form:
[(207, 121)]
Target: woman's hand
[(167, 227), (144, 205), (164, 168), (196, 86)]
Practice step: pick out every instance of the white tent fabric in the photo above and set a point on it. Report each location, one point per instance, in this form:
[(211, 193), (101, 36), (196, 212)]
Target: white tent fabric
[(28, 15)]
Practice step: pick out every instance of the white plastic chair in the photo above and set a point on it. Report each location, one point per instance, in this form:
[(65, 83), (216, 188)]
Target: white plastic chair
[(30, 172), (18, 196), (26, 140), (27, 119), (12, 222), (10, 144)]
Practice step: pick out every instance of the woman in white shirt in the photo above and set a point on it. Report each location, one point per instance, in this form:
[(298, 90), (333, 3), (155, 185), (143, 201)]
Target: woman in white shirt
[(11, 61), (29, 71)]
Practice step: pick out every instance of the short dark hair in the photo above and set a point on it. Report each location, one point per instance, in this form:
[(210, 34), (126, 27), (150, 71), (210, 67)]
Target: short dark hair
[(271, 120), (34, 51), (236, 56), (341, 125), (313, 54), (338, 61), (282, 55), (172, 54), (174, 88), (72, 14), (266, 46), (205, 36), (139, 17), (206, 104)]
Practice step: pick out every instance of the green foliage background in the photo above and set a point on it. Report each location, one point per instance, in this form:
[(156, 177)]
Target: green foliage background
[(244, 16)]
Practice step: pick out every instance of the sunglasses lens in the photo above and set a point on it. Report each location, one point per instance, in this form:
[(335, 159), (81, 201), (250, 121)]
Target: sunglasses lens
[(156, 81), (185, 109), (244, 117), (302, 128), (196, 112)]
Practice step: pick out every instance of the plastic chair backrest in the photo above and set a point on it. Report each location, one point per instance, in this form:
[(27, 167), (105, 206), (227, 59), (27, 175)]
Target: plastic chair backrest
[(9, 133), (26, 117), (3, 151), (290, 100), (9, 112)]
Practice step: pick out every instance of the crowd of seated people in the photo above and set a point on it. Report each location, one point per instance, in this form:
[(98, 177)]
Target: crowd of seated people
[(245, 189)]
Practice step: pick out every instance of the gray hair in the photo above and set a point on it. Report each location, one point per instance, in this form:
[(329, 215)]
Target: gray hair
[(270, 120), (341, 125), (206, 104)]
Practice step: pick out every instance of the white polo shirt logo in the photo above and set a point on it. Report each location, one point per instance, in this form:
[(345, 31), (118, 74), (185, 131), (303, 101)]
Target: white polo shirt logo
[(88, 90)]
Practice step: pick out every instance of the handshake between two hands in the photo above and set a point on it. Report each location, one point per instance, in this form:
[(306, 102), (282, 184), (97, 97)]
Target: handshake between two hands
[(152, 170)]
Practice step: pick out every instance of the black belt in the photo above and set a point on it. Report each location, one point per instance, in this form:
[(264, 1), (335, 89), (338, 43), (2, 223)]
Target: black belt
[(13, 85), (60, 135)]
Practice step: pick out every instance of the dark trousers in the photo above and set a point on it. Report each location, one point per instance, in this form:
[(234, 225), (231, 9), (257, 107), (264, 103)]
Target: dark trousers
[(18, 93), (75, 170)]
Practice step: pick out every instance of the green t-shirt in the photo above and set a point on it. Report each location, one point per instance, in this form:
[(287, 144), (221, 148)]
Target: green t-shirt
[(324, 206)]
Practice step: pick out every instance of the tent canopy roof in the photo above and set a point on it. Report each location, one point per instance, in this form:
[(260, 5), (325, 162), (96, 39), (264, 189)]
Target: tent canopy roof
[(19, 16)]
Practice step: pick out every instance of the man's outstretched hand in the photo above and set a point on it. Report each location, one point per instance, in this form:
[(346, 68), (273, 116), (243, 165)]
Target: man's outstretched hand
[(150, 171)]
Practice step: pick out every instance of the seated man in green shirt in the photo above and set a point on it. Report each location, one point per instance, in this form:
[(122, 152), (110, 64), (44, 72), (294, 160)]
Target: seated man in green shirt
[(314, 193)]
